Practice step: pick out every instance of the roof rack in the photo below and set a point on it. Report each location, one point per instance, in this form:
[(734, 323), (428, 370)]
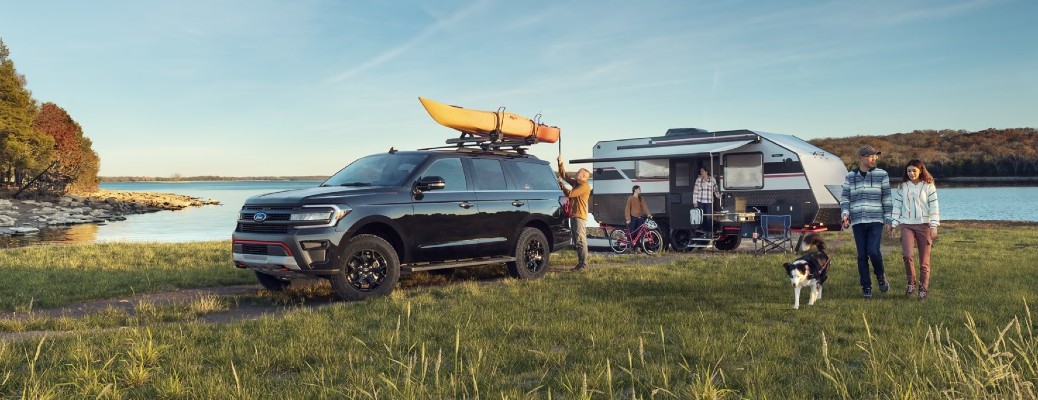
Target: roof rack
[(493, 142)]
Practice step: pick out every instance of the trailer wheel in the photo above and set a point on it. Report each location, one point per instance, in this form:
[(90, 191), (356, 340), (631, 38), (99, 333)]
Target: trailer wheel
[(680, 240), (728, 242)]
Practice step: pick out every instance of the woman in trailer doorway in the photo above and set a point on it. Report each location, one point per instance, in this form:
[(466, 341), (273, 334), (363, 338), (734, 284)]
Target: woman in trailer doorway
[(703, 194)]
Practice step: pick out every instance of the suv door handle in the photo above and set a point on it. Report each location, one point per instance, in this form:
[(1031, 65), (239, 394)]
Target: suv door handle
[(518, 203), (465, 204)]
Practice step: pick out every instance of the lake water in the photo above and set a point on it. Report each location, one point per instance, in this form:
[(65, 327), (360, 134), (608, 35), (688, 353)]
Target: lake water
[(217, 222)]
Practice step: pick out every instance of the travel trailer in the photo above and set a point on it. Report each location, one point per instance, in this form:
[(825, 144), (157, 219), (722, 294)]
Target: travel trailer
[(758, 173)]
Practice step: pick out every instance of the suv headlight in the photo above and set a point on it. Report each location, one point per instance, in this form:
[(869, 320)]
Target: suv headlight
[(328, 215), (311, 216)]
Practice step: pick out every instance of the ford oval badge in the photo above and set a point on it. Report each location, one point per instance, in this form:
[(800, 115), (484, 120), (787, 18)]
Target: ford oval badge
[(260, 216)]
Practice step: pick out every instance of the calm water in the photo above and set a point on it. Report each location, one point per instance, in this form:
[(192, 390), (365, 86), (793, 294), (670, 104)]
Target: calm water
[(217, 222), (204, 223)]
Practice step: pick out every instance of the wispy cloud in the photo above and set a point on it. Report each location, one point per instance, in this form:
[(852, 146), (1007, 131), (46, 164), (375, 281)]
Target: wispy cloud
[(388, 55)]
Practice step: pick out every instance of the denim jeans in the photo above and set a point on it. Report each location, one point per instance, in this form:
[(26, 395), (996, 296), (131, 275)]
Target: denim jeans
[(867, 238), (634, 224), (708, 208)]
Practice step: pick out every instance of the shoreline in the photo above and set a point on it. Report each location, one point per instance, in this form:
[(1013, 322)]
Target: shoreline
[(19, 216)]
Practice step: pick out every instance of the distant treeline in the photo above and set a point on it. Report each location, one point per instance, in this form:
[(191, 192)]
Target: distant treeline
[(948, 153), (208, 178)]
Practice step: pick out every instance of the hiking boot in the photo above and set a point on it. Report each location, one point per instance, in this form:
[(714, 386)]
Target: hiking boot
[(866, 292), (911, 290), (883, 285), (922, 295)]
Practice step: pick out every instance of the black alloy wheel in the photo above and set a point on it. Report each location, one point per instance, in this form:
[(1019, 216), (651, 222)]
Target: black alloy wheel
[(370, 268), (531, 255)]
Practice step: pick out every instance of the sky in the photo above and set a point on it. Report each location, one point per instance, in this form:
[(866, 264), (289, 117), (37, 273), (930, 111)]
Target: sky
[(291, 88)]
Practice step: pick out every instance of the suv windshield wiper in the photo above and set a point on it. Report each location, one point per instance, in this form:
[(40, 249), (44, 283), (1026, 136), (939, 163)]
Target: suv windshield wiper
[(355, 184)]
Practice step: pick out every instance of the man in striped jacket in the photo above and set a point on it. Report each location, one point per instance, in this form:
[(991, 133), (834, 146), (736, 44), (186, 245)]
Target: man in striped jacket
[(865, 206)]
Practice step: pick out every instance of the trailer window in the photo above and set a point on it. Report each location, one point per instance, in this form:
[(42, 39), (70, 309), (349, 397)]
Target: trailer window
[(649, 169), (682, 174), (744, 171)]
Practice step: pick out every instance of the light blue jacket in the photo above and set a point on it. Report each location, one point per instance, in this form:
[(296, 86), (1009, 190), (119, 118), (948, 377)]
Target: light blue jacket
[(866, 198)]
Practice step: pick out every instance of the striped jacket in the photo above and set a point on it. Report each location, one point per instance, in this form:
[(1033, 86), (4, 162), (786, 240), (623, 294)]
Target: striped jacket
[(866, 199), (916, 203)]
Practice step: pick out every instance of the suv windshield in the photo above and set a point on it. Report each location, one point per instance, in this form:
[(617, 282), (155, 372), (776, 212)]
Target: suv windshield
[(377, 170)]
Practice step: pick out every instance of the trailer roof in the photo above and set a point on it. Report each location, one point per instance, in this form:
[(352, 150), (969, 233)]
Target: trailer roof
[(666, 150)]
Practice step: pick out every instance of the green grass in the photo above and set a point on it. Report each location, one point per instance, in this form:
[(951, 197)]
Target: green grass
[(706, 326), (43, 277)]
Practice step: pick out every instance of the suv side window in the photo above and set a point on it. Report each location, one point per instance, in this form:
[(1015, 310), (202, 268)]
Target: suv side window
[(488, 174), (533, 176), (451, 171)]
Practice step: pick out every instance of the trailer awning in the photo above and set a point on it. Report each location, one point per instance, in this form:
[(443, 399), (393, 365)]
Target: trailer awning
[(670, 151)]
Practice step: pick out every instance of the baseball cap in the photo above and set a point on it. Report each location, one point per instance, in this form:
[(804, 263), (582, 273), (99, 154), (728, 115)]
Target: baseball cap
[(866, 151)]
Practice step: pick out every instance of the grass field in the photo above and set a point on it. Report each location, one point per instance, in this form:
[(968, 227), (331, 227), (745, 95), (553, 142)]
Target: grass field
[(701, 326)]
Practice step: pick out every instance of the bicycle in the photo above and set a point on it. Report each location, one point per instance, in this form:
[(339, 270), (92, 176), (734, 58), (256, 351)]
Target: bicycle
[(647, 236)]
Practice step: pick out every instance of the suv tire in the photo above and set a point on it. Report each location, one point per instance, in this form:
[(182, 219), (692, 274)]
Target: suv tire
[(532, 254), (370, 268), (271, 282)]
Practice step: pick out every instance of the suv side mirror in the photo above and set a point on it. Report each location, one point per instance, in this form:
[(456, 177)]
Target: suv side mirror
[(431, 183)]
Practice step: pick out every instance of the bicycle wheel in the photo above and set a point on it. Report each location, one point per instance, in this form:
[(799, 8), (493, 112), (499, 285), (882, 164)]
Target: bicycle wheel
[(618, 241), (652, 242)]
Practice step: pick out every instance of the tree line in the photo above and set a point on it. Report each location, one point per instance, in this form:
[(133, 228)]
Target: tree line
[(40, 144), (948, 153)]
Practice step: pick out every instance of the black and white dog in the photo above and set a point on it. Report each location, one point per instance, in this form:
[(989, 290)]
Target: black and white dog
[(811, 269)]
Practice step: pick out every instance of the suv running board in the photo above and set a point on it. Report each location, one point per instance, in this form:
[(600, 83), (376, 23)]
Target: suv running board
[(454, 264)]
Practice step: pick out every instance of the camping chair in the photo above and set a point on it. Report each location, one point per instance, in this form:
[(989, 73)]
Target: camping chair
[(774, 234)]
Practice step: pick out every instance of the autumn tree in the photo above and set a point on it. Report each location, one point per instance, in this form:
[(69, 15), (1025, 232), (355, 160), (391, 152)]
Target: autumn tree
[(78, 164)]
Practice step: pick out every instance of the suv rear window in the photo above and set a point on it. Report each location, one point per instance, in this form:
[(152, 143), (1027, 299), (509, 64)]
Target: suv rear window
[(534, 176), (488, 174)]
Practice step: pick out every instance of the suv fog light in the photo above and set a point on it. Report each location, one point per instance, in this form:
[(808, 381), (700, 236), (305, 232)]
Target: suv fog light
[(313, 244)]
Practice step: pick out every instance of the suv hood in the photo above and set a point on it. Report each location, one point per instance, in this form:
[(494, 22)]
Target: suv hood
[(320, 194)]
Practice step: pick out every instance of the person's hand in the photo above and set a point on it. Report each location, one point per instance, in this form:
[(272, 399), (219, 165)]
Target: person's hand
[(560, 159), (846, 223), (628, 222), (933, 233), (650, 217)]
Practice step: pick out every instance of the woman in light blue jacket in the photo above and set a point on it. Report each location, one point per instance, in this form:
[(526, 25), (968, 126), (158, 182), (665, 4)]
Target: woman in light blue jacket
[(917, 214)]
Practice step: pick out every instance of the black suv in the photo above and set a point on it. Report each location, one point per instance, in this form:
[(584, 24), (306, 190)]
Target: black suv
[(405, 211)]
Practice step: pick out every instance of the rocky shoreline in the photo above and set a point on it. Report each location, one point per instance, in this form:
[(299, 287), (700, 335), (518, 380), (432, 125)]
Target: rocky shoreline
[(19, 217)]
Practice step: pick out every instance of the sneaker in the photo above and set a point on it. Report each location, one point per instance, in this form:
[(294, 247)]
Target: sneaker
[(580, 267), (922, 295), (866, 292), (883, 285), (911, 290)]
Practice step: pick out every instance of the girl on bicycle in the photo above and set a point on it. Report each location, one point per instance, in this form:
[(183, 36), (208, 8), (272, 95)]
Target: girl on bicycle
[(636, 209)]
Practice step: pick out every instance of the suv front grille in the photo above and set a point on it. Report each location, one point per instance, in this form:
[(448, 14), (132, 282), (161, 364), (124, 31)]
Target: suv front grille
[(262, 228), (270, 217)]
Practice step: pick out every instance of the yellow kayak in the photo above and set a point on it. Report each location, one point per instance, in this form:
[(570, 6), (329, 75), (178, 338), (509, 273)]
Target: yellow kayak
[(477, 122)]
